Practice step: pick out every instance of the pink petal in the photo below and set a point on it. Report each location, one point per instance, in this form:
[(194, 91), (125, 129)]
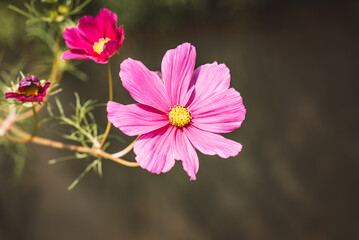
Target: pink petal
[(135, 119), (120, 35), (75, 40), (185, 151), (81, 54), (210, 78), (154, 150), (13, 95), (110, 48), (143, 85), (38, 98), (45, 87), (89, 28), (27, 81), (212, 143), (23, 98), (106, 22), (42, 91), (177, 69), (75, 54), (221, 113)]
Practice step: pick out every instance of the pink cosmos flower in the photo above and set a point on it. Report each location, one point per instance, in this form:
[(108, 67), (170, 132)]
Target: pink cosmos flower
[(29, 90), (184, 111), (96, 38)]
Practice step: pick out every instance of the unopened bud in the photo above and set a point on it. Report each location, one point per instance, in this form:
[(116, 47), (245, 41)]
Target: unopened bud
[(63, 9)]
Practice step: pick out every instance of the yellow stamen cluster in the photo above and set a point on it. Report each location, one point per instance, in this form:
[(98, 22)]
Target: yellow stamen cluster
[(98, 46), (31, 90), (179, 116)]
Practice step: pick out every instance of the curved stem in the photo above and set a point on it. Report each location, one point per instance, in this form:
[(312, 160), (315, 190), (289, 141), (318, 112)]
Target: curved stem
[(29, 137), (60, 145), (28, 113), (126, 150), (110, 98)]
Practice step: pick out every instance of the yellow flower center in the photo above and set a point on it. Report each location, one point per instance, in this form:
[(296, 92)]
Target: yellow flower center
[(31, 90), (179, 116), (98, 46)]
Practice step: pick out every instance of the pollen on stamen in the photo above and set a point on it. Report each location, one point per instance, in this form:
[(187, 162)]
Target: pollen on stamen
[(179, 116), (31, 90), (98, 46)]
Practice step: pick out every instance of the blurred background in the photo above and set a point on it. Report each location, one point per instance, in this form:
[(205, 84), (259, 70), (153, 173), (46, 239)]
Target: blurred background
[(296, 65)]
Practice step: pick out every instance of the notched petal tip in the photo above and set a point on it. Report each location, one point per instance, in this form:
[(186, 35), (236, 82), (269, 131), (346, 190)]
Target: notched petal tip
[(190, 170), (177, 69), (105, 13), (46, 86), (193, 178)]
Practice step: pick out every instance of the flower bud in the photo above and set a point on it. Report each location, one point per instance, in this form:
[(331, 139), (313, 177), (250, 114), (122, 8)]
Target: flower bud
[(63, 9)]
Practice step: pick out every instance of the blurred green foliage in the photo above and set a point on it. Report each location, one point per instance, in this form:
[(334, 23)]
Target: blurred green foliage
[(12, 27), (29, 30)]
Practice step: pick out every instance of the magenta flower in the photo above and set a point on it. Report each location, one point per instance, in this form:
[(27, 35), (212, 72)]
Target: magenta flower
[(29, 90), (96, 38), (183, 111)]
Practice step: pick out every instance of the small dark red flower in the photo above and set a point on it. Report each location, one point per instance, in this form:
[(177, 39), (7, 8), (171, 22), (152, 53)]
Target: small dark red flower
[(29, 90)]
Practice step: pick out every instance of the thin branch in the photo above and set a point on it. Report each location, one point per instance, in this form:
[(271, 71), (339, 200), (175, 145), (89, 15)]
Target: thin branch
[(10, 119), (126, 150), (60, 145)]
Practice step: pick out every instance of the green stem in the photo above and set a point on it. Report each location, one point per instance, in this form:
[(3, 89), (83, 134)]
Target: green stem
[(77, 180), (34, 112), (110, 97), (34, 131), (110, 87)]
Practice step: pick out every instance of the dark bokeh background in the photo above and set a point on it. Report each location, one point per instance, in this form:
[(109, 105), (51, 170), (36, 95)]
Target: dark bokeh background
[(296, 66)]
